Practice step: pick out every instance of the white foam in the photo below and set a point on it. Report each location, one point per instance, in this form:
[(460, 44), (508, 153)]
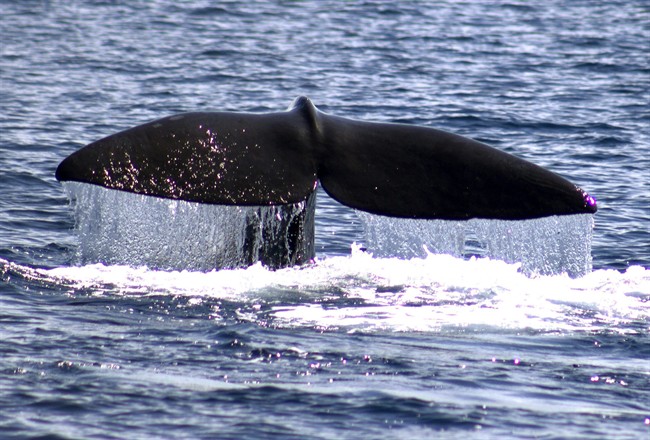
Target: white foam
[(359, 292)]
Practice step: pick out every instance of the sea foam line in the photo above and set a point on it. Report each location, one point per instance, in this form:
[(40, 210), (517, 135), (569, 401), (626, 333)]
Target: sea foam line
[(360, 292)]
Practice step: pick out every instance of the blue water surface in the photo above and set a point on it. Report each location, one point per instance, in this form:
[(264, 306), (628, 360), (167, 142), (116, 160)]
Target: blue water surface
[(352, 346)]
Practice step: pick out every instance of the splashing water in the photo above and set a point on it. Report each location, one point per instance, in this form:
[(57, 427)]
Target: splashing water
[(116, 227), (546, 246)]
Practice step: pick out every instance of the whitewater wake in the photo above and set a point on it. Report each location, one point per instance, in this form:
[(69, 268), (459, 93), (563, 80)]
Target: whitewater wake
[(360, 292)]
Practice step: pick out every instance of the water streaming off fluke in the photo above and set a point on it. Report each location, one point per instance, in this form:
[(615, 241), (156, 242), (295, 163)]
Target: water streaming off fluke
[(117, 227), (545, 246)]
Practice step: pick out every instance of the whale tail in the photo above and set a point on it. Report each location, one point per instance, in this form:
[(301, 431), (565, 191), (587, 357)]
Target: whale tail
[(274, 159)]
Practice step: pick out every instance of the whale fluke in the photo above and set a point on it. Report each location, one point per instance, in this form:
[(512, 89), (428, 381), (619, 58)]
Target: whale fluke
[(274, 162), (388, 169), (217, 158)]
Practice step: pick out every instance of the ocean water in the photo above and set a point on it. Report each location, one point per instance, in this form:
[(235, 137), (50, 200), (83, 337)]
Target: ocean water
[(424, 343)]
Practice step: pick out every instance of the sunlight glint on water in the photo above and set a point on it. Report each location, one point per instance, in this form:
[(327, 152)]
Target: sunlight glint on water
[(560, 83)]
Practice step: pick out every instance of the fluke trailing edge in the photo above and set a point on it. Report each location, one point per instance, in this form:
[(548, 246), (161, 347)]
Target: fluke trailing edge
[(389, 169)]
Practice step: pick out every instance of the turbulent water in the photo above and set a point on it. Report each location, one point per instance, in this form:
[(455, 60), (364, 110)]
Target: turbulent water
[(397, 329)]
